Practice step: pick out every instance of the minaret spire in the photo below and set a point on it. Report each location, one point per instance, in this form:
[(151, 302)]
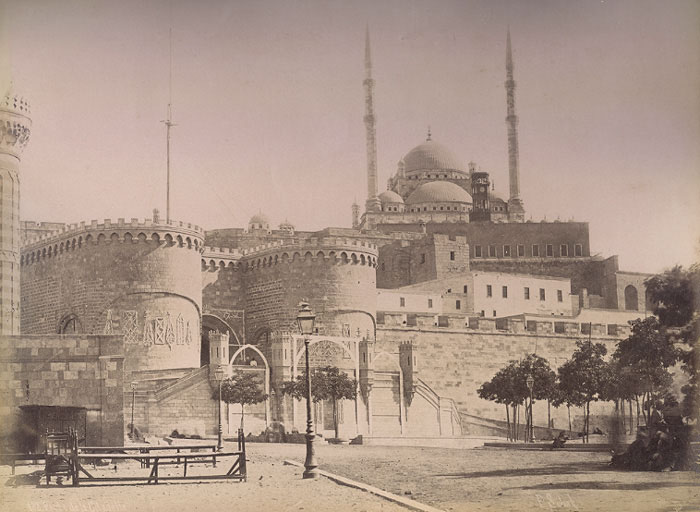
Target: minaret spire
[(372, 203), (515, 205)]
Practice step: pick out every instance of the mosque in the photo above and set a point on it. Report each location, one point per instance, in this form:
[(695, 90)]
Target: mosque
[(121, 324)]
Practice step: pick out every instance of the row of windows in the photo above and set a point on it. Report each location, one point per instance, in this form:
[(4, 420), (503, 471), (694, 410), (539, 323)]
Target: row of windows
[(454, 176), (442, 208), (520, 251), (526, 293)]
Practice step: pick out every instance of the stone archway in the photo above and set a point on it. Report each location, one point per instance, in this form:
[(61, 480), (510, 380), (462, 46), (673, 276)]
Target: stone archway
[(631, 298)]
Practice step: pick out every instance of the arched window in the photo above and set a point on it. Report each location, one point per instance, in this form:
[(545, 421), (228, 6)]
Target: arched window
[(70, 324), (631, 298)]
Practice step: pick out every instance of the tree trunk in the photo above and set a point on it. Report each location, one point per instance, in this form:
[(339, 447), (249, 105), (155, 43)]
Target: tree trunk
[(568, 410), (631, 417), (508, 436), (242, 416), (636, 399), (335, 418), (588, 420), (549, 413)]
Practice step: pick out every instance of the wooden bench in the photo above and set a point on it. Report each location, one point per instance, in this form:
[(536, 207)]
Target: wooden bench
[(236, 471), (148, 448), (10, 459)]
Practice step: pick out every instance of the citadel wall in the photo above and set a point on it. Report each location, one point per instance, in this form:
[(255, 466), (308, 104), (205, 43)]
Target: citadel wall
[(57, 371), (455, 361), (139, 279)]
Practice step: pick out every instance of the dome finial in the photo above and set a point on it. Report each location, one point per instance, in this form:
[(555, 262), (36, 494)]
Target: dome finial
[(430, 136)]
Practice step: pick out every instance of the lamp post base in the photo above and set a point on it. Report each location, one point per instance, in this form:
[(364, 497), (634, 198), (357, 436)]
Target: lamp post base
[(310, 465)]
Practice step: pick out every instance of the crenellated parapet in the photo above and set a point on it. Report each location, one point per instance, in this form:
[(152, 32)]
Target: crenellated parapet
[(337, 250), (15, 124), (77, 236)]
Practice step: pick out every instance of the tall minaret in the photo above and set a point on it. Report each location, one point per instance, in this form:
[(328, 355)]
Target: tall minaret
[(373, 204), (15, 125), (516, 212)]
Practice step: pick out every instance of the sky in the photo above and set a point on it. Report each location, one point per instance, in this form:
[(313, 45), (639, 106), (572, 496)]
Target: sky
[(268, 103)]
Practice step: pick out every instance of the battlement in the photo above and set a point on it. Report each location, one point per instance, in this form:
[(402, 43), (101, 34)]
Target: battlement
[(73, 236), (346, 250), (555, 326)]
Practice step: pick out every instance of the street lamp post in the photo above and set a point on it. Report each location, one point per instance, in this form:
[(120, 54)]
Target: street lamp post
[(133, 399), (306, 319), (220, 374), (530, 384)]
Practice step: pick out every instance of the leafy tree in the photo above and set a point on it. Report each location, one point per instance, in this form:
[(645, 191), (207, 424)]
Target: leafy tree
[(327, 383), (675, 295), (509, 386), (646, 355), (243, 388), (583, 378)]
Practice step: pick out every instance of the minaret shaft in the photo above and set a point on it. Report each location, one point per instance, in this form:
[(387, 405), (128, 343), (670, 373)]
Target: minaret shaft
[(370, 132), (515, 206)]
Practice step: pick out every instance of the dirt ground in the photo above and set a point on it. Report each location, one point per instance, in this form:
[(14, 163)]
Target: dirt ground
[(451, 480)]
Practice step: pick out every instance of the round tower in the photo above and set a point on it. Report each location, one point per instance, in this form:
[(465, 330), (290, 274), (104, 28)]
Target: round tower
[(15, 127)]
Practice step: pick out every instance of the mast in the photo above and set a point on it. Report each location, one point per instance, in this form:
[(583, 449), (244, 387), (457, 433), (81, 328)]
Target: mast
[(169, 124)]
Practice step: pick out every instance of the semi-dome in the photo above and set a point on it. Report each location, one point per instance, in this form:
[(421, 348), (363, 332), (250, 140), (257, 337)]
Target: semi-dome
[(389, 196), (431, 156), (439, 192)]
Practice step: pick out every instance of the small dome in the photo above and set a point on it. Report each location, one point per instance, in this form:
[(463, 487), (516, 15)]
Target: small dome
[(286, 226), (259, 221), (496, 198), (389, 196), (431, 156), (439, 192)]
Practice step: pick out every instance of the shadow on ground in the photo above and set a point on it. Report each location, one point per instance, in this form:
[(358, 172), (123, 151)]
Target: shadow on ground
[(558, 469), (606, 486), (28, 479)]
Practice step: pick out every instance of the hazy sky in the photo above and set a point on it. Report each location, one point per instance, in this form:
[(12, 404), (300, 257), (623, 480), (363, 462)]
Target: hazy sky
[(268, 101)]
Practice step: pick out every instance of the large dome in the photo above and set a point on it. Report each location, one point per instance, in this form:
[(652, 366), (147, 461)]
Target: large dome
[(431, 156), (439, 192)]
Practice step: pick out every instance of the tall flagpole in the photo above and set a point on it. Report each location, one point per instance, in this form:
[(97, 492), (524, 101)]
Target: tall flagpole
[(169, 124)]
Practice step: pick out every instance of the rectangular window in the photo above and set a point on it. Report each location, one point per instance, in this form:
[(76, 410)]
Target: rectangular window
[(402, 302), (477, 251), (494, 312), (563, 250), (521, 251), (578, 250), (550, 250), (458, 304), (535, 251), (466, 288), (542, 296), (422, 258), (506, 251), (526, 293), (452, 255), (489, 291), (483, 313), (492, 251), (560, 296), (430, 303), (505, 292)]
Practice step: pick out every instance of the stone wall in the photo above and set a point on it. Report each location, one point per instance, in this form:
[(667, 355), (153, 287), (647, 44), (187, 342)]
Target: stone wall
[(139, 279), (456, 362), (65, 371)]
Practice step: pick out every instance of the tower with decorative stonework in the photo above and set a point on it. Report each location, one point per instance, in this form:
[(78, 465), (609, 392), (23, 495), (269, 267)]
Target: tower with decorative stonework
[(373, 204), (15, 127), (516, 210)]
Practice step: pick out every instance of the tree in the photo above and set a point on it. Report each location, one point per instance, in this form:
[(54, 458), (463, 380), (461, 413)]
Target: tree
[(509, 386), (646, 355), (327, 383), (583, 378), (675, 295), (243, 388)]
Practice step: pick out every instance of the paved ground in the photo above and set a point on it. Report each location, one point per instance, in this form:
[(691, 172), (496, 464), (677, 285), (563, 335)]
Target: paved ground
[(468, 480)]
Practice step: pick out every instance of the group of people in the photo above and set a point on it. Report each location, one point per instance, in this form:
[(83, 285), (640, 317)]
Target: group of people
[(663, 445)]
